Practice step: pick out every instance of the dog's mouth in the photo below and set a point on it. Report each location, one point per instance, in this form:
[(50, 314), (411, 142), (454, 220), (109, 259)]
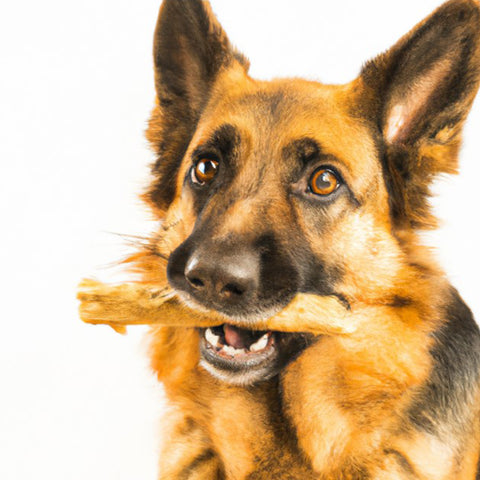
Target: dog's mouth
[(244, 357), (233, 343)]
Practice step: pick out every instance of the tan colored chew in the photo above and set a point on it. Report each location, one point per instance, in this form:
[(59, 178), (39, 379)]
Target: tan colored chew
[(137, 304)]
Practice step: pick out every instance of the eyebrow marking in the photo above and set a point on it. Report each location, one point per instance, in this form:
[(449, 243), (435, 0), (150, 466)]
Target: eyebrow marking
[(222, 142), (303, 148)]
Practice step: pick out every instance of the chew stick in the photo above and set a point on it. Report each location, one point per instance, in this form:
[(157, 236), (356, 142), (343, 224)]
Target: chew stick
[(138, 304)]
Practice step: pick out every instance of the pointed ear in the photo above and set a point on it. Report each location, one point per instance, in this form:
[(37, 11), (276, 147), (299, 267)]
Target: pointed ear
[(428, 80), (420, 92), (190, 49)]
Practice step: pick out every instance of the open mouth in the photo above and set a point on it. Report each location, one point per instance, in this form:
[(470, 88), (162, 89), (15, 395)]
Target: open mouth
[(242, 356), (234, 342)]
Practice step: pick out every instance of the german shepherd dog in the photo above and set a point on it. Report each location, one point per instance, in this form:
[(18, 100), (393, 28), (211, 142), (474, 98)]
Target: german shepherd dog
[(277, 188)]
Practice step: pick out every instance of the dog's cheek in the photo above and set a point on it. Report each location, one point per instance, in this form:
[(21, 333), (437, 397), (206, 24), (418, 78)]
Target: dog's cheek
[(353, 253), (370, 257)]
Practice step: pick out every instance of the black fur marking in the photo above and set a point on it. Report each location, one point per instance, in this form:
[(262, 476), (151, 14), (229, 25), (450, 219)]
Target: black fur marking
[(398, 302), (307, 152), (342, 298), (294, 465), (279, 276), (402, 461), (455, 377), (222, 143), (396, 200), (206, 456), (394, 184), (304, 150)]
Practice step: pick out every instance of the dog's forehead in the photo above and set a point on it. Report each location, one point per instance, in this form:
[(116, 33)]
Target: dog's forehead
[(270, 116)]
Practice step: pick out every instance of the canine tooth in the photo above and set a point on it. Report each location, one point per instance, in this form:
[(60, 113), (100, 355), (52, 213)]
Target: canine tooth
[(260, 344), (211, 337)]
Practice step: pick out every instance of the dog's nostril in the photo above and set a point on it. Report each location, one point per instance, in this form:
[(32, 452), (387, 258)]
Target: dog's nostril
[(195, 282), (232, 290)]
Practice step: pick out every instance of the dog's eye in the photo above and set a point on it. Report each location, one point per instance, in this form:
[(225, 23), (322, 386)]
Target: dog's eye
[(323, 182), (204, 171)]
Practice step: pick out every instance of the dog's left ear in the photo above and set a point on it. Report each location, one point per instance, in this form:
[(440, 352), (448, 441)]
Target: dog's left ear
[(419, 94), (190, 51)]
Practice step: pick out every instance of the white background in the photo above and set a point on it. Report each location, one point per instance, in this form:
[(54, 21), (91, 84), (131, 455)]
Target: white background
[(76, 88)]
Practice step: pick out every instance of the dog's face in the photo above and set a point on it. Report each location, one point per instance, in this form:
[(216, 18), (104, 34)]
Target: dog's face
[(281, 182), (293, 186)]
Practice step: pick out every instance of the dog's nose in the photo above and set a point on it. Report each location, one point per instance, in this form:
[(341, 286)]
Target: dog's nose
[(229, 277)]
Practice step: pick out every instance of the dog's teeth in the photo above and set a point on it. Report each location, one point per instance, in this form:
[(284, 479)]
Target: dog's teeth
[(230, 350), (211, 337), (260, 344)]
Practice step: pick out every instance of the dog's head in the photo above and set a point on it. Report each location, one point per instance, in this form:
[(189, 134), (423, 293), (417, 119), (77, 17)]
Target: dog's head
[(274, 188)]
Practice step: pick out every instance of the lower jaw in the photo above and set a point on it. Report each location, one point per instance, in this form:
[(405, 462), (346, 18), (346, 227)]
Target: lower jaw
[(245, 378)]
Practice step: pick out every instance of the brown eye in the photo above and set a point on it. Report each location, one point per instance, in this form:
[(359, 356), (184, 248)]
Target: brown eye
[(323, 182), (204, 171)]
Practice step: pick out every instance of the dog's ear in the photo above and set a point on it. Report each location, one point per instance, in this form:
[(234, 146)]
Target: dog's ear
[(419, 94), (190, 49)]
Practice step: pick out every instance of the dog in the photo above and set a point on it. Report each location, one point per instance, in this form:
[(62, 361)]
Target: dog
[(265, 190)]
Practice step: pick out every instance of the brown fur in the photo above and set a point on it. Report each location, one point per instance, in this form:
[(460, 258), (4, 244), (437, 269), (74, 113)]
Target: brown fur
[(345, 408)]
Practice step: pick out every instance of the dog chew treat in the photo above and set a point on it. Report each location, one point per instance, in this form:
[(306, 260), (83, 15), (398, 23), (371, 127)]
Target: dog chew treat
[(138, 304)]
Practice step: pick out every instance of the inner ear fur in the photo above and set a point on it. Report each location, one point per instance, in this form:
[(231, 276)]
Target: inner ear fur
[(190, 49), (419, 94)]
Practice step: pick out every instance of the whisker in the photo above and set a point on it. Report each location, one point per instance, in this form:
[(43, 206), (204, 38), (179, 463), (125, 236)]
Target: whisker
[(160, 255), (131, 238)]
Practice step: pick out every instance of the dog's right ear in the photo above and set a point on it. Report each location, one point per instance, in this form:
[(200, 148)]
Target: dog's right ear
[(419, 95), (190, 49)]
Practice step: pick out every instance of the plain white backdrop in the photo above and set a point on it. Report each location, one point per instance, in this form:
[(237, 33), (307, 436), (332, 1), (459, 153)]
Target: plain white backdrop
[(76, 87)]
